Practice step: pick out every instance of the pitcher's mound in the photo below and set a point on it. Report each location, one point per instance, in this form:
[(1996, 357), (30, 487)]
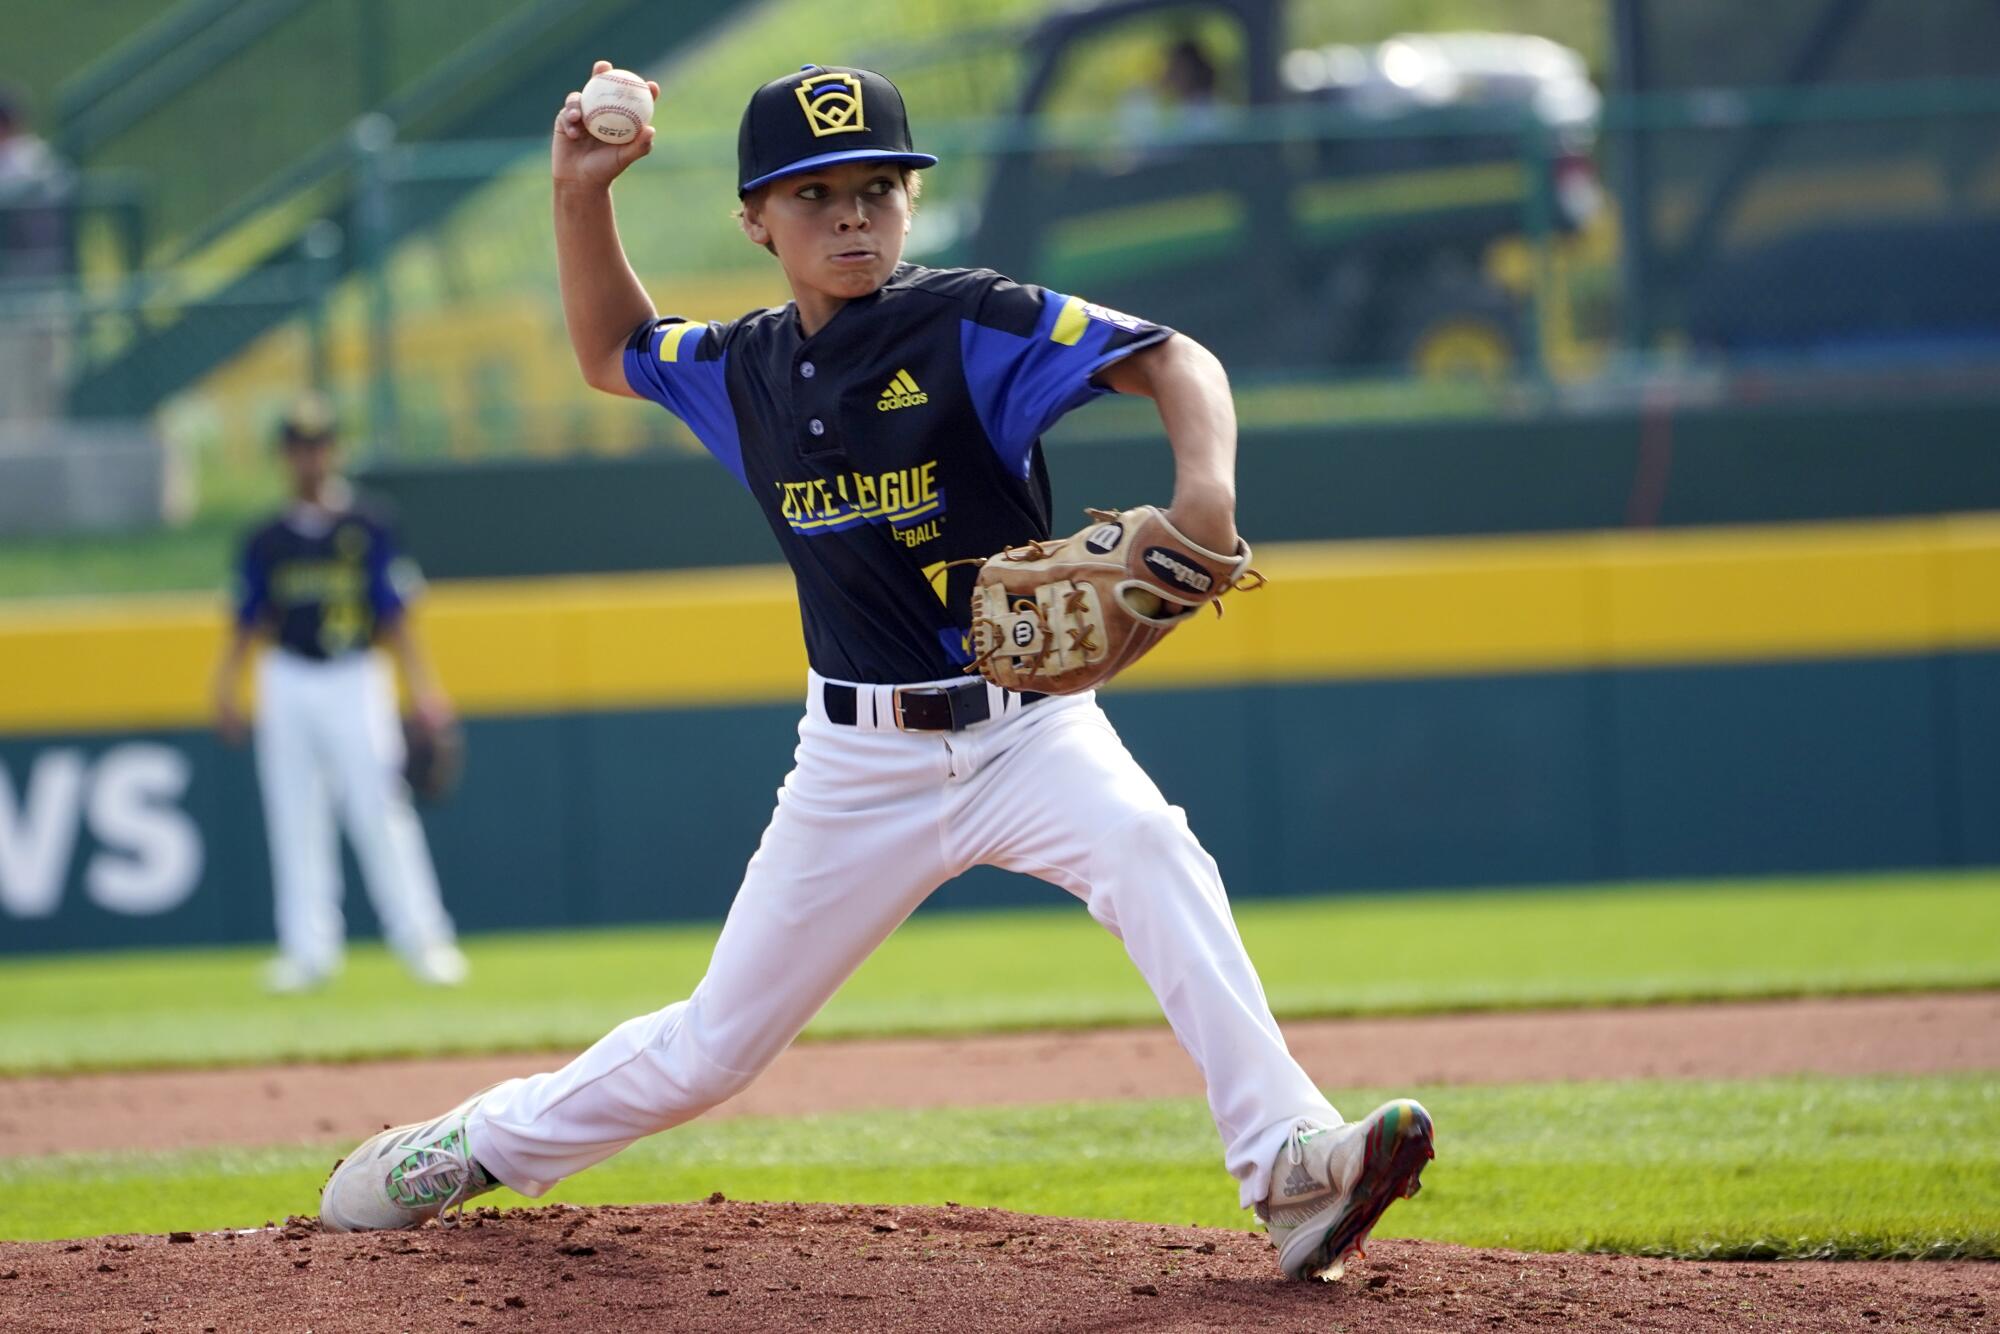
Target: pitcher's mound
[(750, 1267)]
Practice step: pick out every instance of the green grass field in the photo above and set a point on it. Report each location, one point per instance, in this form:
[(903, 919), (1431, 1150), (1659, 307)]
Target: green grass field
[(1819, 1168), (970, 972), (194, 557)]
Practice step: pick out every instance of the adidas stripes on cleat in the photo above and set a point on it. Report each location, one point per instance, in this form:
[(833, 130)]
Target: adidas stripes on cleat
[(404, 1177), (1332, 1184)]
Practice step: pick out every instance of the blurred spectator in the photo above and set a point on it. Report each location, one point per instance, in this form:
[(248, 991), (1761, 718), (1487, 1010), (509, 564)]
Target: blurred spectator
[(1182, 100), (33, 185), (1189, 78)]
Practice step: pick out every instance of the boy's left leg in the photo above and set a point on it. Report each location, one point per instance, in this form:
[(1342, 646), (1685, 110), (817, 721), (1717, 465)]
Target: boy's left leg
[(366, 740), (1054, 793), (1060, 798)]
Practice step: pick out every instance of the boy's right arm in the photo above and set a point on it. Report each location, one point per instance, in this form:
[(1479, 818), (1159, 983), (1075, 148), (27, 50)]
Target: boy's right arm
[(603, 301)]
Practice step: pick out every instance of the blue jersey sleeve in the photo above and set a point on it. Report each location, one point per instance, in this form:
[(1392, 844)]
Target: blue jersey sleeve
[(253, 586), (392, 577), (681, 366), (1029, 356)]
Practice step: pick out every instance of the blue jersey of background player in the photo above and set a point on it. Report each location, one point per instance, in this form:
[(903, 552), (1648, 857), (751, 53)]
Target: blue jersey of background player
[(323, 582)]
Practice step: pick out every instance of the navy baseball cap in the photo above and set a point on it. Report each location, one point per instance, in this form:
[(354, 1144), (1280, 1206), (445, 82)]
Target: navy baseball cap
[(307, 420), (821, 115)]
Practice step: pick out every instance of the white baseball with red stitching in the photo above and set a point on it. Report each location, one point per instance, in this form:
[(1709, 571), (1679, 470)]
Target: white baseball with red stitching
[(617, 104)]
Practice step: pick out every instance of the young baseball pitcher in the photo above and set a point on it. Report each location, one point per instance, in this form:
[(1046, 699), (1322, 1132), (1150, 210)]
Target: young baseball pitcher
[(887, 421)]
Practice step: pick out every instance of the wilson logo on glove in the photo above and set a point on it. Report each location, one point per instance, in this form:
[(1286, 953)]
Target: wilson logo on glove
[(1178, 571)]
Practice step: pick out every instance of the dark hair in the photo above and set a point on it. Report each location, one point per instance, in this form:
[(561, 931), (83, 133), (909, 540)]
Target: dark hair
[(13, 106), (1189, 69)]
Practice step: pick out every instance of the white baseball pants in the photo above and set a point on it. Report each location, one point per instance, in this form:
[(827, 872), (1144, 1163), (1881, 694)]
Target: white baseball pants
[(328, 738), (868, 823)]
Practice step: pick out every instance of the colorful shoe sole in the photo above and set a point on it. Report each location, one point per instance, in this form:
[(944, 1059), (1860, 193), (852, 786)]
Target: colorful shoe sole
[(1398, 1147)]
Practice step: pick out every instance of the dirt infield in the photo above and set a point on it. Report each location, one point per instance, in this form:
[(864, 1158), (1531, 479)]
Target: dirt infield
[(747, 1268), (344, 1103)]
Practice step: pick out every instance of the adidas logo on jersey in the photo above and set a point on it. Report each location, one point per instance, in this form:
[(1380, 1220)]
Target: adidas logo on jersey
[(901, 393)]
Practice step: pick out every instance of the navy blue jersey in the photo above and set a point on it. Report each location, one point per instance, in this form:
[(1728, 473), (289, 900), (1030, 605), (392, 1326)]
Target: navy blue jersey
[(322, 583), (904, 435)]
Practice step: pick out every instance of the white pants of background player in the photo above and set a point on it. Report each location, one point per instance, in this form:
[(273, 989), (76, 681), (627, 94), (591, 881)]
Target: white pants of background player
[(868, 823), (328, 739)]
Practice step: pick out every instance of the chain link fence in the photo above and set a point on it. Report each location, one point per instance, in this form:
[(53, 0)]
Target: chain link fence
[(1345, 260)]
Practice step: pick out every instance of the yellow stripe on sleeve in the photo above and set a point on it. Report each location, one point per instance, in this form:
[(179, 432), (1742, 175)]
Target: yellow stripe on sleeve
[(670, 340), (1070, 324)]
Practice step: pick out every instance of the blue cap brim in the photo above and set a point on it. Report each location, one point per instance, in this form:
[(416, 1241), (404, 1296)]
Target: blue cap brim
[(846, 155)]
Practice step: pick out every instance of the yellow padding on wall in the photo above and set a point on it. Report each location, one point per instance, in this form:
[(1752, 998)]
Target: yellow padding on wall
[(1971, 576), (1392, 609), (1493, 605), (1697, 594), (1333, 611), (617, 641), (124, 663)]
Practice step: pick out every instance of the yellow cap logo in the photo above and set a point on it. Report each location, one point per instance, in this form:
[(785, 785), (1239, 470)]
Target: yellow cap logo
[(832, 103)]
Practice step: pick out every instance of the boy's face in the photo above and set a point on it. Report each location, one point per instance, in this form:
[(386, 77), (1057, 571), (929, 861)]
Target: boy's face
[(309, 463), (838, 231)]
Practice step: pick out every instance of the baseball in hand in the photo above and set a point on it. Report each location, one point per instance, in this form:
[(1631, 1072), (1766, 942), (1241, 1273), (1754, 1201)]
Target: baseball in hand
[(616, 106)]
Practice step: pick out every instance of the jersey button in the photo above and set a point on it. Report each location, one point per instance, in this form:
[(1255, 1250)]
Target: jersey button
[(806, 369), (816, 426)]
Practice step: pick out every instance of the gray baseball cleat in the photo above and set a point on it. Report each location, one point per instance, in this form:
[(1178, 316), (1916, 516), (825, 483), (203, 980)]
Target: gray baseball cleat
[(1332, 1184), (440, 965), (286, 976), (405, 1176)]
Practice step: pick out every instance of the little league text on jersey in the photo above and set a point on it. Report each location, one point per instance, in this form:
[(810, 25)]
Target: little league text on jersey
[(823, 504)]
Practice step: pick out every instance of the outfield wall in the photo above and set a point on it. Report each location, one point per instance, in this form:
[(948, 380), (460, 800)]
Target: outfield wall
[(1387, 714), (1672, 466)]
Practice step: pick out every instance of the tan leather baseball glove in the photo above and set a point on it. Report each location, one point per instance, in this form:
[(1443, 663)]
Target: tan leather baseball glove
[(1061, 617)]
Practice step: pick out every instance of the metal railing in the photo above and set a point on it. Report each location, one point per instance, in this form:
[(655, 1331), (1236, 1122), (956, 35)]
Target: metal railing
[(1545, 272)]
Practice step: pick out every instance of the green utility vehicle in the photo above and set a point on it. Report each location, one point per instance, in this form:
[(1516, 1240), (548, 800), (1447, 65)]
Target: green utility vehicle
[(1300, 209)]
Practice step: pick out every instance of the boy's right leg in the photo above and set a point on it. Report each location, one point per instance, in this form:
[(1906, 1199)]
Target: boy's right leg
[(816, 900), (852, 849), (298, 826)]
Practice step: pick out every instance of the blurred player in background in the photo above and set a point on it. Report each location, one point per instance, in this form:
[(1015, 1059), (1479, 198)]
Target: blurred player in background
[(323, 581)]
